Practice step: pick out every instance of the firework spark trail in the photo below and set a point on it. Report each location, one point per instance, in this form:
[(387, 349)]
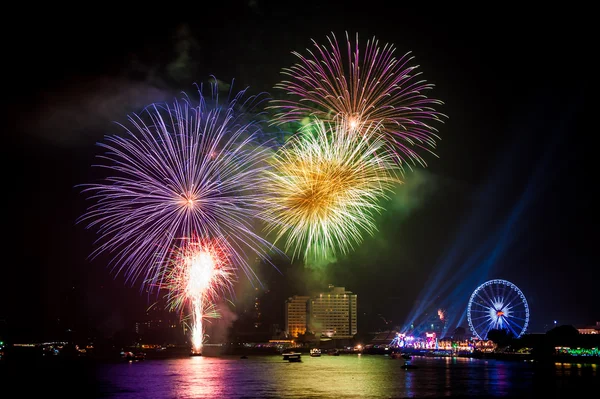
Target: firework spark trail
[(198, 275), (199, 266), (186, 170), (374, 88), (325, 185), (202, 311)]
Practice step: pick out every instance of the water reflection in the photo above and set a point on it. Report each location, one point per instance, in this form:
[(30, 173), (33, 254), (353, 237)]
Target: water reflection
[(448, 375), (575, 369), (340, 376), (195, 378)]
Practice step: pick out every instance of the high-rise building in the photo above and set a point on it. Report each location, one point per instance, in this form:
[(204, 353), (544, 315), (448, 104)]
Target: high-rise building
[(296, 311), (334, 313)]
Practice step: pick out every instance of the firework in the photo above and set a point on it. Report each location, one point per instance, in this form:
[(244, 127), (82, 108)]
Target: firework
[(325, 185), (441, 314), (200, 266), (361, 89), (179, 170), (198, 275)]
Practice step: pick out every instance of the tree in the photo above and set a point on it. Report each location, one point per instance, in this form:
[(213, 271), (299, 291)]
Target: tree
[(501, 337), (459, 333), (563, 335), (307, 337)]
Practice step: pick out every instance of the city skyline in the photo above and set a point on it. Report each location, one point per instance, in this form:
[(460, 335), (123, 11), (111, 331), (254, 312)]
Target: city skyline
[(507, 197)]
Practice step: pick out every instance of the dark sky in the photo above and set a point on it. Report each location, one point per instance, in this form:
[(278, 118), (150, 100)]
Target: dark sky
[(509, 197)]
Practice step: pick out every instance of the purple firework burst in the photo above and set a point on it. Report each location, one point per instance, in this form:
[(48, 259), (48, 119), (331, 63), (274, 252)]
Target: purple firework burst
[(180, 171)]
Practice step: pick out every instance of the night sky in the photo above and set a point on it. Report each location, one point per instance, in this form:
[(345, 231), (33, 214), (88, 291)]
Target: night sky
[(509, 197)]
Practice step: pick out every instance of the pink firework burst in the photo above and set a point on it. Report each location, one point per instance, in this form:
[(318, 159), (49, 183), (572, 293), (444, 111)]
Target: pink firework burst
[(363, 88)]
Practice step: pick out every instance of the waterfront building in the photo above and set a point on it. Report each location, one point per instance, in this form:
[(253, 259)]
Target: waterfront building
[(333, 314), (589, 329), (296, 315)]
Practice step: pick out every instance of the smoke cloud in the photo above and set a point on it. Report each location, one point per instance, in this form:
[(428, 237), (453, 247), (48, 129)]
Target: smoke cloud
[(218, 329), (74, 112), (84, 111), (383, 248)]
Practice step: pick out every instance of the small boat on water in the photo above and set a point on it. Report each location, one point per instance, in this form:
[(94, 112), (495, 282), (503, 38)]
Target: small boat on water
[(315, 352), (407, 365), (407, 358), (292, 357), (195, 353), (130, 356), (333, 352)]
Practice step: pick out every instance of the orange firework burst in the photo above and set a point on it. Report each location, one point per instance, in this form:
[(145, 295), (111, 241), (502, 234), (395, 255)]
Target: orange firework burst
[(325, 187), (441, 314)]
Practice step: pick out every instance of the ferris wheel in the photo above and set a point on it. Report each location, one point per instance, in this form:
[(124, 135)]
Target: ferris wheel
[(497, 304)]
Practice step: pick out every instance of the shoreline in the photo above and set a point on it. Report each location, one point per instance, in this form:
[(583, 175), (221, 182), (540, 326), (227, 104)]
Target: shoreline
[(29, 358)]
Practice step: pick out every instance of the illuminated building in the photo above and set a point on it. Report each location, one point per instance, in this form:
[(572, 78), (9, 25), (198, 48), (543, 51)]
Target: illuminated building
[(590, 329), (296, 309), (160, 325), (333, 314)]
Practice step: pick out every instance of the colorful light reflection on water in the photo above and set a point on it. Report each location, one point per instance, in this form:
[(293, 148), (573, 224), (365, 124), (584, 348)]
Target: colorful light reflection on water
[(348, 376), (345, 376)]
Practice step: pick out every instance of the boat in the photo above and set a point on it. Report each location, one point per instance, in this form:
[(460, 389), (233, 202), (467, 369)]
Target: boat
[(292, 356), (286, 355), (315, 352), (130, 356), (407, 365), (398, 355), (195, 353), (333, 352), (407, 358), (295, 357)]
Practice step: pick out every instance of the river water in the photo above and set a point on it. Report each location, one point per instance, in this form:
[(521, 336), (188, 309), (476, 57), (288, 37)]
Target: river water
[(345, 376)]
